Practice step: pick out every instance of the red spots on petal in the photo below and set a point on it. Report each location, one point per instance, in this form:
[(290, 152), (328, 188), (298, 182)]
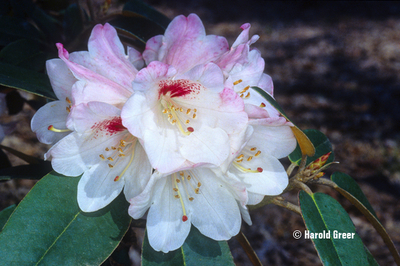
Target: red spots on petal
[(184, 218), (178, 88), (108, 127)]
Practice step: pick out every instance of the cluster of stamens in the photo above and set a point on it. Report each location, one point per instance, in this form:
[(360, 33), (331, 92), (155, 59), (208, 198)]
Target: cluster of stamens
[(191, 186), (69, 104), (116, 154), (247, 156), (180, 116), (245, 94)]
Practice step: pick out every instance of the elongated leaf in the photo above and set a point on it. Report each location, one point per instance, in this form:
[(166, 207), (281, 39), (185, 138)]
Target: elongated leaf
[(31, 171), (197, 250), (323, 214), (322, 146), (73, 23), (48, 227), (24, 53), (27, 158), (142, 9), (304, 143), (138, 26), (5, 214), (347, 183), (355, 196), (27, 80), (13, 28)]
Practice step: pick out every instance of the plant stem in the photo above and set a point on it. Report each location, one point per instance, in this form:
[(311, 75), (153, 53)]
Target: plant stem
[(286, 204), (248, 249)]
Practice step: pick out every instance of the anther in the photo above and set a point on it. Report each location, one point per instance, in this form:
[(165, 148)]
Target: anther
[(262, 105), (188, 111), (259, 169), (257, 153), (194, 116), (184, 218), (249, 159), (177, 180), (253, 149), (102, 156), (175, 189), (110, 165), (68, 108), (237, 82), (116, 178), (187, 122), (110, 159), (247, 95), (191, 198), (190, 129), (68, 100), (107, 149)]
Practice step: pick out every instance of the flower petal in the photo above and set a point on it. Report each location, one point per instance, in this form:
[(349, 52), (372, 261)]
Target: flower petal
[(61, 78), (90, 83), (165, 229), (215, 211), (52, 113), (97, 188), (186, 45), (277, 141)]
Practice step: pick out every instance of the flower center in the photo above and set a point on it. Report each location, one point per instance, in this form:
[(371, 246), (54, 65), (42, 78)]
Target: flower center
[(187, 184), (115, 155), (175, 112), (246, 157)]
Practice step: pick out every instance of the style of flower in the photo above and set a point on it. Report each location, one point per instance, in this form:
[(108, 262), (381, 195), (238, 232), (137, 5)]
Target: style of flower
[(191, 185), (85, 123)]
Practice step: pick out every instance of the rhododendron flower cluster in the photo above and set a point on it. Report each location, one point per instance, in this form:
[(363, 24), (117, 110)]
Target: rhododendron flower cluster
[(178, 128)]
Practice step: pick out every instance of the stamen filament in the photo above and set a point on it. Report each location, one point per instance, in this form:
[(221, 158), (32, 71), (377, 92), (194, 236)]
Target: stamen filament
[(52, 128)]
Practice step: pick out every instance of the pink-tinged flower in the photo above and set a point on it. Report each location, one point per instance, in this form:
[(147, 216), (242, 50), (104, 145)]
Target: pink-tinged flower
[(209, 166), (198, 196), (257, 164), (85, 123), (181, 111)]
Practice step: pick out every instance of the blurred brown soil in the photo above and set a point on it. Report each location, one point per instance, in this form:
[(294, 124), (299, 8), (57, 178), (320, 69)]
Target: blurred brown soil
[(336, 68)]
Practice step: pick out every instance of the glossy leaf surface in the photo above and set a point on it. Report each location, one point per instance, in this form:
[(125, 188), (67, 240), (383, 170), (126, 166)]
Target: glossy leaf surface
[(197, 250), (48, 226), (323, 214)]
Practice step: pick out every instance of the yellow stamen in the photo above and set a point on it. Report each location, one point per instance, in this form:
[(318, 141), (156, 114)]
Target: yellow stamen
[(51, 128)]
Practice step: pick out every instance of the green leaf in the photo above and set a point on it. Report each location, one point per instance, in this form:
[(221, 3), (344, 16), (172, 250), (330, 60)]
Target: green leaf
[(73, 23), (322, 146), (305, 144), (347, 183), (30, 171), (5, 215), (13, 28), (48, 227), (197, 250), (142, 9), (27, 80), (322, 213), (24, 53), (348, 188), (136, 29)]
